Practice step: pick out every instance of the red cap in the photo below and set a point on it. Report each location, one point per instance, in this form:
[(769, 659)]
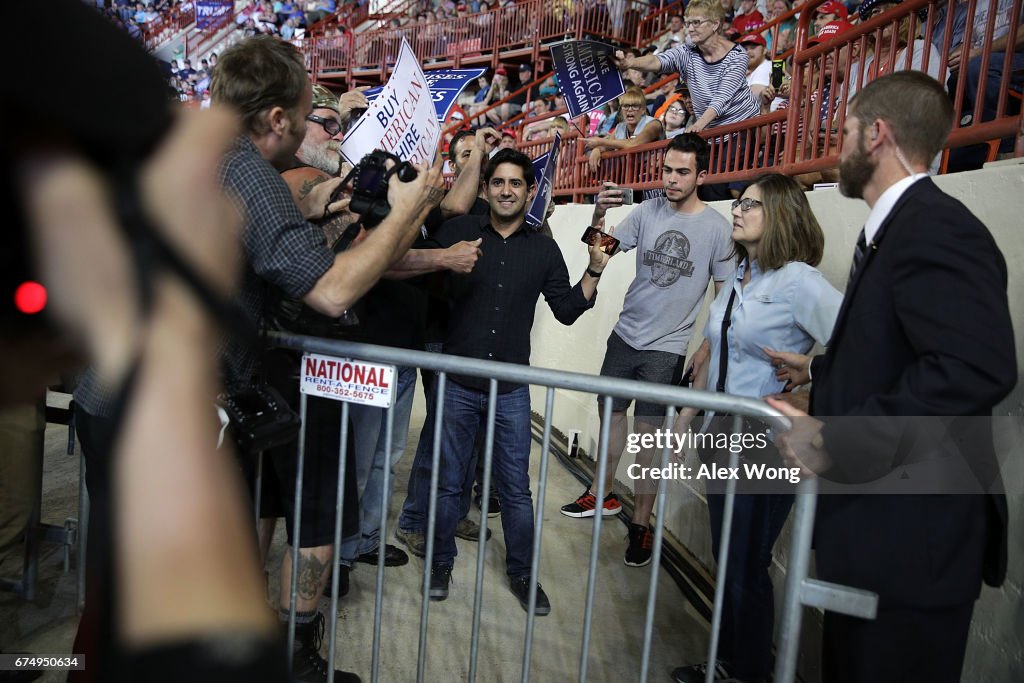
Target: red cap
[(511, 132), (833, 7), (755, 38), (501, 71), (830, 30)]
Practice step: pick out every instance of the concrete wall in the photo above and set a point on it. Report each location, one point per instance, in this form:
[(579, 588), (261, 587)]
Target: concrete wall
[(996, 196)]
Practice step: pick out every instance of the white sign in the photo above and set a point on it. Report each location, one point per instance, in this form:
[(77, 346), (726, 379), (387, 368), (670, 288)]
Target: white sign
[(342, 379), (400, 120)]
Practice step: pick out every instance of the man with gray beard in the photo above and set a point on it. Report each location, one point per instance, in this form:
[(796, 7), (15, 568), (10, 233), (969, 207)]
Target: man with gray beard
[(391, 313)]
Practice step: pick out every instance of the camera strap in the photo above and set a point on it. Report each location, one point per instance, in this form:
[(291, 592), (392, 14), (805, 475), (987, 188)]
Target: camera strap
[(153, 253)]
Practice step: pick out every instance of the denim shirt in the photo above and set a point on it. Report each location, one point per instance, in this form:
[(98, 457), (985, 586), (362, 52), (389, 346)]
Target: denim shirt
[(785, 310)]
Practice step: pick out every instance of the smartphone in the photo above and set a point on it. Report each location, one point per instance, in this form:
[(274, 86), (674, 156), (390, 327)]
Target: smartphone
[(777, 73), (627, 192), (608, 244)]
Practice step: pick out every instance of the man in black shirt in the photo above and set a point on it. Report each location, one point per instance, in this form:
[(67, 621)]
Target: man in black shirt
[(492, 311)]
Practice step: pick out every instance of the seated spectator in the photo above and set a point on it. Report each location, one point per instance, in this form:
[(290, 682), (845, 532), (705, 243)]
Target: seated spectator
[(497, 92), (786, 31), (636, 128), (728, 11), (674, 36), (992, 80), (546, 128), (508, 139), (318, 10), (880, 60), (827, 12), (759, 69), (674, 119), (747, 18), (538, 108), (549, 87)]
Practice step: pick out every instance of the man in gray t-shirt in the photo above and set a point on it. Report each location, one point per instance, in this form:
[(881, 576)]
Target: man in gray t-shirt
[(681, 244)]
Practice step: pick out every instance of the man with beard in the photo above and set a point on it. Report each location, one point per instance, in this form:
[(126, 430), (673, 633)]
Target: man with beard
[(390, 314), (681, 244), (492, 312), (926, 277), (265, 81)]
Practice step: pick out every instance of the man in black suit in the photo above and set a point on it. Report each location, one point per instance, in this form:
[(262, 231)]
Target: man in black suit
[(924, 331)]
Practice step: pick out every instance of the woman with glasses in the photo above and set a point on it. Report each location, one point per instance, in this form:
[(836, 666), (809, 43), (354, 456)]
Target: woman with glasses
[(776, 301), (635, 127), (674, 119)]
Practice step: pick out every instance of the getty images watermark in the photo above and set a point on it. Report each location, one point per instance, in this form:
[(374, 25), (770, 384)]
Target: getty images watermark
[(720, 443)]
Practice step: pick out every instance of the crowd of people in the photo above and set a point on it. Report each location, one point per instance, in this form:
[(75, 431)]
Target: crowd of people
[(460, 271)]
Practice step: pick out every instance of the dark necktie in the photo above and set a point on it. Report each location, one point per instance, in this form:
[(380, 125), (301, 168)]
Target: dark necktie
[(858, 255)]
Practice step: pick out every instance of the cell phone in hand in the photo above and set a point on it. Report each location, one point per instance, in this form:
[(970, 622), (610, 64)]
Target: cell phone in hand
[(778, 73), (627, 192), (606, 242)]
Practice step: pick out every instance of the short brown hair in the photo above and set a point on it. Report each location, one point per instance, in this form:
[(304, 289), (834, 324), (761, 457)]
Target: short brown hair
[(791, 232), (915, 106), (257, 74)]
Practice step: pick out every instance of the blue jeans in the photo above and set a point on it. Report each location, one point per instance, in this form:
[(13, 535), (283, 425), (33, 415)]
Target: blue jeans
[(465, 412), (993, 79), (748, 612), (414, 509), (369, 429)]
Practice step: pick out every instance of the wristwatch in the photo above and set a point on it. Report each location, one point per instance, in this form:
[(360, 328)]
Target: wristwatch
[(594, 273)]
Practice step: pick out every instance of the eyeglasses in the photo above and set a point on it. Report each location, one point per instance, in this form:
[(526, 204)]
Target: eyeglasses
[(331, 126), (676, 110), (694, 23), (632, 107), (747, 204)]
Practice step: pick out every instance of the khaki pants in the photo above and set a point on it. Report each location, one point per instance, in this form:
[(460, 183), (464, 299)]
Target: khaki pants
[(21, 469)]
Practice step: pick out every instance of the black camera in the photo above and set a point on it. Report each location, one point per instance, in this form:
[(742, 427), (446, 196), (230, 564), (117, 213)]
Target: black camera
[(370, 185)]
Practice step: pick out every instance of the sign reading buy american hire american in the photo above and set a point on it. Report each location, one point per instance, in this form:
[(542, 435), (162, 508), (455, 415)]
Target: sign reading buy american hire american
[(343, 379)]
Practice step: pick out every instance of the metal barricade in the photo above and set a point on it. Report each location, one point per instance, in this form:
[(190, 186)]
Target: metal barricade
[(799, 590)]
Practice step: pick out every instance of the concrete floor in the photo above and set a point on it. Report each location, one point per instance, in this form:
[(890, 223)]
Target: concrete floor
[(47, 625)]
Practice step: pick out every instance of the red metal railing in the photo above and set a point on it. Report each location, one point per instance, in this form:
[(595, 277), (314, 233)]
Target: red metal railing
[(803, 138), (167, 25), (744, 150)]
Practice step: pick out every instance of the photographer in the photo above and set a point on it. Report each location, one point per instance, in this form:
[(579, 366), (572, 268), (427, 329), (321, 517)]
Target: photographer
[(392, 313), (266, 81)]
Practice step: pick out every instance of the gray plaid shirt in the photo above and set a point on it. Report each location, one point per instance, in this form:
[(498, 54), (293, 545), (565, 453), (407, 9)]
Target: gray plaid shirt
[(282, 249)]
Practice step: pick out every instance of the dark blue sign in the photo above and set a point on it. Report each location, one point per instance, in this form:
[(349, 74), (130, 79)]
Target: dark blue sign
[(586, 74), (445, 86), (544, 170), (209, 12)]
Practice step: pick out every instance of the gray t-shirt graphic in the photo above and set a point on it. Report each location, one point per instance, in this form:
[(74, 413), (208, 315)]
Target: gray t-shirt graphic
[(676, 255)]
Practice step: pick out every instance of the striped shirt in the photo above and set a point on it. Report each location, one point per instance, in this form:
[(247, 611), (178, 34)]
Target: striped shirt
[(720, 85)]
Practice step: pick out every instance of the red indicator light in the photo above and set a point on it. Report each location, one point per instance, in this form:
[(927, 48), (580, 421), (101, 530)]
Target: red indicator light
[(30, 297)]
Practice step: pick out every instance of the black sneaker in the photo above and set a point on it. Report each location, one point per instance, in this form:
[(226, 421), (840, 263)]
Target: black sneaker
[(393, 556), (343, 582), (307, 665), (696, 673), (440, 577), (585, 504), (521, 589), (638, 554)]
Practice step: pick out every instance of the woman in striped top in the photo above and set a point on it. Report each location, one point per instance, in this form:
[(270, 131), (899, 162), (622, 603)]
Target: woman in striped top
[(714, 69)]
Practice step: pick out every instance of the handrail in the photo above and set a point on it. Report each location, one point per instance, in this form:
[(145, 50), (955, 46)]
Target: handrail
[(803, 138), (170, 22)]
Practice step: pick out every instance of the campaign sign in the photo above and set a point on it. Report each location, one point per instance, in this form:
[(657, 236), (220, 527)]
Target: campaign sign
[(209, 11), (343, 379), (445, 86), (586, 74), (400, 120), (544, 170)]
